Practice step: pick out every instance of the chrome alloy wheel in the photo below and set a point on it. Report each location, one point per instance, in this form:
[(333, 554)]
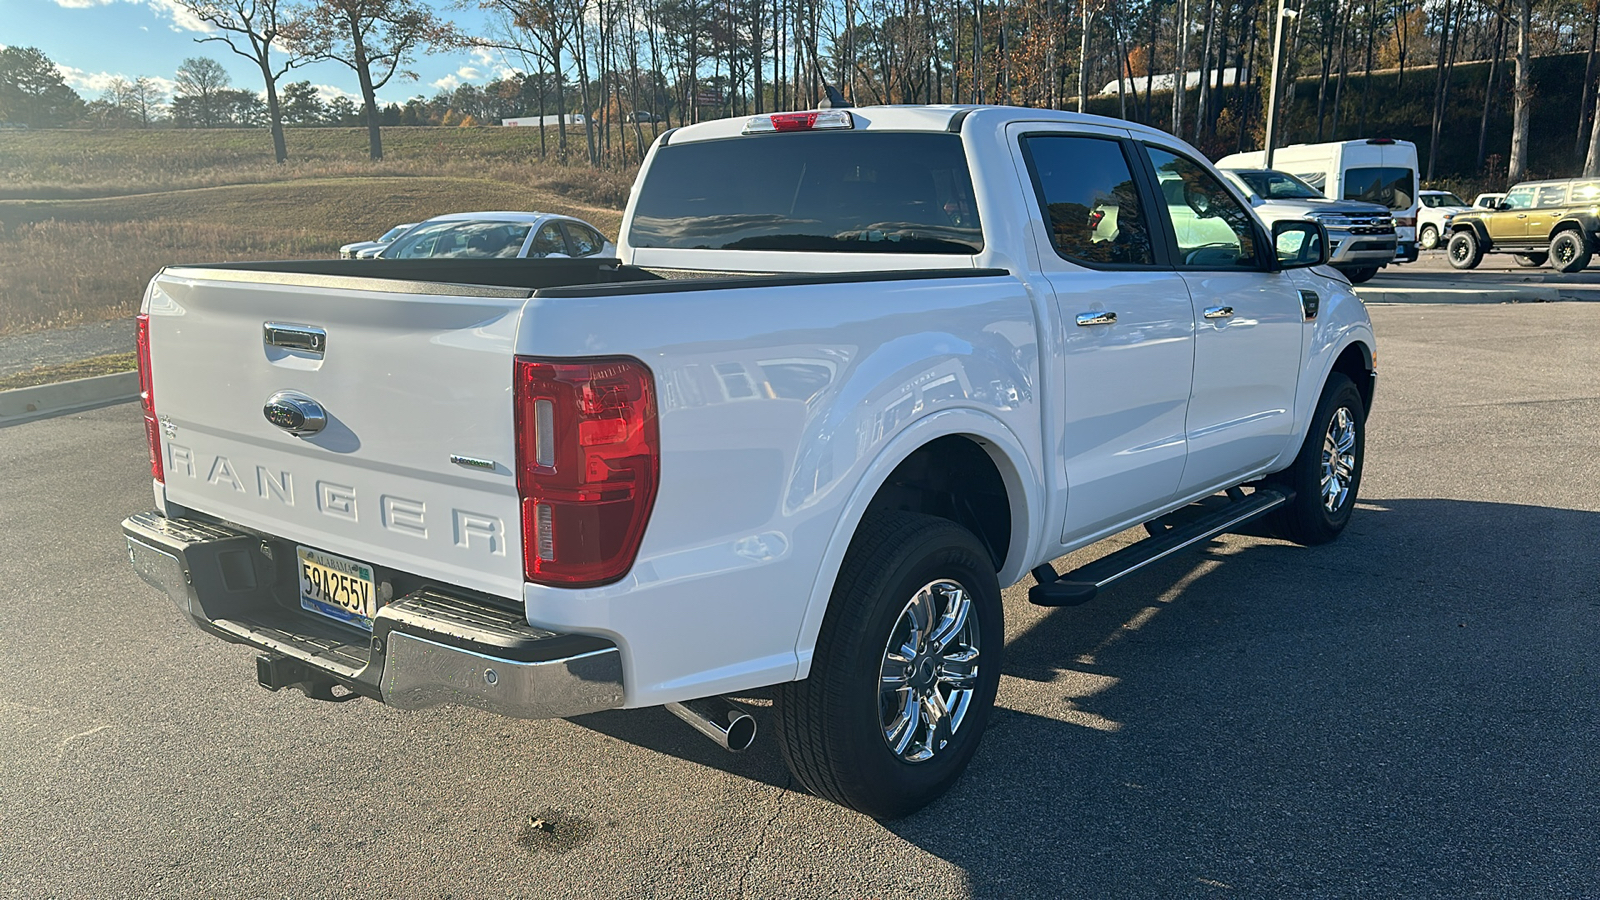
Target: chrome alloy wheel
[(929, 672), (1338, 459)]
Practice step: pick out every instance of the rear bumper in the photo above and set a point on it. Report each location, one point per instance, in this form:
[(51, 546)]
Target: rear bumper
[(429, 647)]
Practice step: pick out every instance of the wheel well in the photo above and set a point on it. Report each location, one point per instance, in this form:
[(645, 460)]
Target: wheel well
[(1354, 363), (953, 478), (1569, 225)]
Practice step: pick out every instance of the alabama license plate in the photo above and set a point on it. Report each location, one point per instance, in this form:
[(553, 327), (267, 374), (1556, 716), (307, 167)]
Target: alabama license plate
[(336, 587)]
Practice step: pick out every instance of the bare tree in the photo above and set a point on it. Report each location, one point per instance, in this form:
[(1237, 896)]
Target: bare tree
[(375, 38), (201, 82), (1522, 99), (251, 29)]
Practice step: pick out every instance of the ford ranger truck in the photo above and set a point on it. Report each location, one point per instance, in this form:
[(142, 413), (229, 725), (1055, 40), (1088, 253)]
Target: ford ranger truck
[(853, 371)]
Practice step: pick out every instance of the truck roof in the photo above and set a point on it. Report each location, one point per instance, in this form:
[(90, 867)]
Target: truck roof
[(948, 117)]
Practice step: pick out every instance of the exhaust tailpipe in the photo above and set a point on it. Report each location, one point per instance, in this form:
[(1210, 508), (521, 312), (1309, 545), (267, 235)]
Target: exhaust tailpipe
[(720, 719)]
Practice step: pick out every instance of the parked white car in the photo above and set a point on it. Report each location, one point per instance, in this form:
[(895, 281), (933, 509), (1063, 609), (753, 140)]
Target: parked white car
[(1433, 218), (361, 249), (500, 235), (849, 376), (1488, 201)]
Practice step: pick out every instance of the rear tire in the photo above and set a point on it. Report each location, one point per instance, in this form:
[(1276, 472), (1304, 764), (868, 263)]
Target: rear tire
[(1463, 250), (1570, 252), (1531, 260), (905, 671), (1428, 238), (1326, 475)]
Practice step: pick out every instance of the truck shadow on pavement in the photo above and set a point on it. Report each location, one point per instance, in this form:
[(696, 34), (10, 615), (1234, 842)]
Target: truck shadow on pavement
[(1404, 712)]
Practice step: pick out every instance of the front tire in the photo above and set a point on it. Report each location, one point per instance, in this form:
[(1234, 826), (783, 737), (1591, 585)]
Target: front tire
[(1326, 475), (905, 671), (1570, 252), (1360, 276), (1463, 250), (1428, 238)]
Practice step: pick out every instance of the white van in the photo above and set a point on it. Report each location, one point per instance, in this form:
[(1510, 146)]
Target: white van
[(1377, 170)]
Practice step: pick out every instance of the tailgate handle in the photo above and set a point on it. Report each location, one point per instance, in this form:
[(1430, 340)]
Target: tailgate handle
[(295, 337)]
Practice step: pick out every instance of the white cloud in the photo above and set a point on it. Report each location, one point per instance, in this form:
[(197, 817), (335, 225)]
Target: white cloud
[(98, 82), (483, 55), (182, 18), (457, 78), (81, 4), (328, 93)]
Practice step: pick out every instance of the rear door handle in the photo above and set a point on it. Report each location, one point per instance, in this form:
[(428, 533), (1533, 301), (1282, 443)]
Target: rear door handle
[(1096, 318), (1219, 312)]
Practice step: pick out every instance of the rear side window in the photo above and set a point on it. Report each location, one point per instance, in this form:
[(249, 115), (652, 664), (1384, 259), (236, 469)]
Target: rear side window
[(1553, 195), (1587, 192), (547, 241), (844, 191), (584, 241), (1089, 199), (1391, 186)]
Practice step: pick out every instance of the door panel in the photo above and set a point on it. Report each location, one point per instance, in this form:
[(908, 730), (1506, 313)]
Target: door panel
[(1249, 324), (1124, 381), (1124, 392)]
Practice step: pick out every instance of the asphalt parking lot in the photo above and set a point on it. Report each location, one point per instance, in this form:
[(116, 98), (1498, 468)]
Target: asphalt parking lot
[(1408, 712)]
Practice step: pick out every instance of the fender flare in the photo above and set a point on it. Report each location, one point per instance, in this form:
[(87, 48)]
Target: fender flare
[(1587, 223), (1478, 229), (1016, 472)]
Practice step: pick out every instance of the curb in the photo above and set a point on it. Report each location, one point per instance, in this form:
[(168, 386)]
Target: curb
[(1459, 295), (46, 400)]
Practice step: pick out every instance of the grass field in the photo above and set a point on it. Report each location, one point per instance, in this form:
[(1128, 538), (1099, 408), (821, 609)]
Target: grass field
[(87, 217)]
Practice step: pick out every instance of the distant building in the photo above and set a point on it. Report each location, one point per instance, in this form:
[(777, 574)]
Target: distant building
[(1145, 83), (536, 121)]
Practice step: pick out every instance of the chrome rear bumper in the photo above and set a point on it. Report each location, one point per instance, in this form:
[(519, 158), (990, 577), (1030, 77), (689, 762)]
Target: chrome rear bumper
[(433, 645)]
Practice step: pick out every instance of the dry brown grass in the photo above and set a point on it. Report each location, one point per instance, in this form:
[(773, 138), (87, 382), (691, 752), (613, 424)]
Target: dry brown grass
[(109, 364), (86, 218)]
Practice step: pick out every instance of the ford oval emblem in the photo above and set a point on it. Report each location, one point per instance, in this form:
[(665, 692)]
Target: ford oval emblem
[(295, 413)]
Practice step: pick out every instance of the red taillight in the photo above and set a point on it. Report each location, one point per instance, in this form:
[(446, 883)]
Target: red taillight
[(588, 459), (147, 398)]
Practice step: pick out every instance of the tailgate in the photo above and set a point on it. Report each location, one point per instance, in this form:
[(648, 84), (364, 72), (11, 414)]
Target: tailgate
[(410, 376)]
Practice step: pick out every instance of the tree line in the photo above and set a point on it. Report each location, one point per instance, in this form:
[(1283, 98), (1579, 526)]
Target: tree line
[(632, 67)]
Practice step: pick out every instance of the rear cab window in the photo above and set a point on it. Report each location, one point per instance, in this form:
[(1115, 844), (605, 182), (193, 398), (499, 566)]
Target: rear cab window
[(849, 191), (1090, 200)]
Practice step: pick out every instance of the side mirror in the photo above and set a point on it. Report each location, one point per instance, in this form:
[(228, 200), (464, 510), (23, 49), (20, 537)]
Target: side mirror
[(1300, 243), (1198, 200)]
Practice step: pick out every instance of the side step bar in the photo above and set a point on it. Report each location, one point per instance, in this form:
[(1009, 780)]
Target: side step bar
[(1080, 585)]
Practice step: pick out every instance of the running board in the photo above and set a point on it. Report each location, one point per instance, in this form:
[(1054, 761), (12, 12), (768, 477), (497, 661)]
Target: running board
[(1081, 584)]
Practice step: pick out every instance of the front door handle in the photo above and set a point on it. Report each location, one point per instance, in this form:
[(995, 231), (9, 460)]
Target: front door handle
[(1096, 318), (1522, 215), (1219, 312)]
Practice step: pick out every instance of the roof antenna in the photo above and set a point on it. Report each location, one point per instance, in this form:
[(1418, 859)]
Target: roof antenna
[(835, 99)]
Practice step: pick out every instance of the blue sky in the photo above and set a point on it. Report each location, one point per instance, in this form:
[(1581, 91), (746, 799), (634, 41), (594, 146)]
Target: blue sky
[(93, 41)]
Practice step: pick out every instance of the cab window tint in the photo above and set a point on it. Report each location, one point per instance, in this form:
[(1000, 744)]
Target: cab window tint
[(1553, 195), (1213, 229), (1089, 200), (1519, 198)]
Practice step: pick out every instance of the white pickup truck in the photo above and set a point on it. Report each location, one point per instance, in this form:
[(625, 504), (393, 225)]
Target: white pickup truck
[(855, 370)]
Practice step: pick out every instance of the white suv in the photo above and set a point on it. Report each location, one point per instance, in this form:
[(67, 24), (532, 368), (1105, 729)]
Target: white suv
[(1433, 217)]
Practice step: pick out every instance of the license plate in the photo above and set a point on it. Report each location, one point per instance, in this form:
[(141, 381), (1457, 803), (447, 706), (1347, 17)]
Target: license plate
[(336, 587)]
